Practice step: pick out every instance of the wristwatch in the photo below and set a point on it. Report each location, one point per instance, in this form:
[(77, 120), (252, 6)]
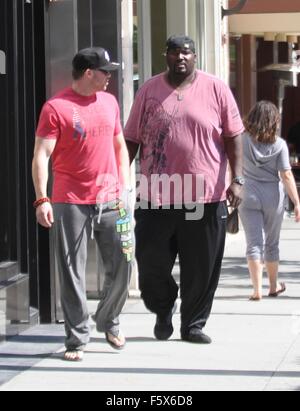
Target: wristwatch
[(239, 180)]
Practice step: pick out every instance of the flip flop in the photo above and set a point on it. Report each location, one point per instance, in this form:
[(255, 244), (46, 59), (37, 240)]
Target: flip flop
[(112, 344), (73, 355), (282, 290)]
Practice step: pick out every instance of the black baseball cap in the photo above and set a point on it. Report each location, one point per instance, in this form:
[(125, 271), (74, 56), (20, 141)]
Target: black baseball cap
[(180, 42), (94, 58)]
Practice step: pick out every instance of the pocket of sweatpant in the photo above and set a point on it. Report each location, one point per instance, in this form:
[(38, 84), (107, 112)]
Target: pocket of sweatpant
[(222, 212)]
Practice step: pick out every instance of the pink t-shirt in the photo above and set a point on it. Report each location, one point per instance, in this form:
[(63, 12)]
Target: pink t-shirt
[(84, 128), (182, 133)]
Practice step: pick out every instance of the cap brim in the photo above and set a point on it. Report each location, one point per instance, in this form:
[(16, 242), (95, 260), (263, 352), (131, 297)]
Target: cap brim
[(110, 67)]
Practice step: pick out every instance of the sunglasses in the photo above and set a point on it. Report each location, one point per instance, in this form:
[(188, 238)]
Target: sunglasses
[(107, 73)]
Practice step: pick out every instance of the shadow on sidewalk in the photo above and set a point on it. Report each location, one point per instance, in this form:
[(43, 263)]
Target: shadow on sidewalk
[(162, 371), (237, 268)]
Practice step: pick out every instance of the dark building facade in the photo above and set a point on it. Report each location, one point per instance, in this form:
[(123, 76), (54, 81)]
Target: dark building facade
[(38, 39)]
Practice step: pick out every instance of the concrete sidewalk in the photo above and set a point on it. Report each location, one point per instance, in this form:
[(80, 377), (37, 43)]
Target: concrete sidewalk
[(256, 345)]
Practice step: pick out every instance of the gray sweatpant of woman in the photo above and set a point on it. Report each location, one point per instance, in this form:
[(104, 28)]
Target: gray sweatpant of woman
[(73, 228), (262, 213)]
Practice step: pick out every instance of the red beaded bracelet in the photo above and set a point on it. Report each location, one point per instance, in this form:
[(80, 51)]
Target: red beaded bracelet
[(41, 201)]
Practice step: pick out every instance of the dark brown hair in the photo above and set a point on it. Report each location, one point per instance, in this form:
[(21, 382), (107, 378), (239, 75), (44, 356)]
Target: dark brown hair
[(262, 122)]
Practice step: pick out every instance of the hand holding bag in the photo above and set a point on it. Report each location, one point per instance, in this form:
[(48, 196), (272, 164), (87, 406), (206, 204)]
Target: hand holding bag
[(233, 222)]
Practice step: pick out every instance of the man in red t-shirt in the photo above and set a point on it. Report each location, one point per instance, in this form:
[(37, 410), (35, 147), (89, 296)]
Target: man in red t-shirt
[(80, 130)]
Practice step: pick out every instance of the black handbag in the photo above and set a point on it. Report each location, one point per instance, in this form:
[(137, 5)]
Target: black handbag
[(233, 225)]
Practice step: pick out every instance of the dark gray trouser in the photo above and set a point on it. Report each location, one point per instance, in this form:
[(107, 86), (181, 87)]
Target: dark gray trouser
[(73, 228)]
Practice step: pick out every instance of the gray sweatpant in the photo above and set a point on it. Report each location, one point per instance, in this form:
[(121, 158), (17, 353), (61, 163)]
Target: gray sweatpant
[(262, 212), (73, 228)]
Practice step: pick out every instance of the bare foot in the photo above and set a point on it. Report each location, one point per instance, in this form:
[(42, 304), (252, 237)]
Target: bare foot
[(73, 355), (281, 288), (255, 297)]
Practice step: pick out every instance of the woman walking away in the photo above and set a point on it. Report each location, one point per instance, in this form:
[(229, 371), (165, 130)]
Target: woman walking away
[(267, 172)]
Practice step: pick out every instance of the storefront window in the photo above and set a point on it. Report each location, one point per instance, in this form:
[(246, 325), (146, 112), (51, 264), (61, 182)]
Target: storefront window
[(158, 35), (135, 47), (149, 38), (7, 147), (3, 153), (4, 253)]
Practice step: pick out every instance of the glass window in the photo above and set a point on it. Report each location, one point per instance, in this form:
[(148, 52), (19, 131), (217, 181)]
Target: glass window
[(3, 151), (135, 47), (158, 35), (4, 234), (7, 146)]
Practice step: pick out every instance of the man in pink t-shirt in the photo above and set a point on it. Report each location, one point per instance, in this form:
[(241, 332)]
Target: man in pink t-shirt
[(187, 126), (80, 130)]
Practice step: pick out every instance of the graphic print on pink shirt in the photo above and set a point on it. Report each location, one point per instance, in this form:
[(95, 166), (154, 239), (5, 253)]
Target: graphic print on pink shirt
[(185, 137), (156, 122)]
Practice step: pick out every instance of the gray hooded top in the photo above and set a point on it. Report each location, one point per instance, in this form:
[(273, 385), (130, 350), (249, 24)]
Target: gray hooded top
[(262, 162)]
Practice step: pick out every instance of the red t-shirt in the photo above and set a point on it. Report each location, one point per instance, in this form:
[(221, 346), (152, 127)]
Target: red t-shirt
[(84, 128)]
